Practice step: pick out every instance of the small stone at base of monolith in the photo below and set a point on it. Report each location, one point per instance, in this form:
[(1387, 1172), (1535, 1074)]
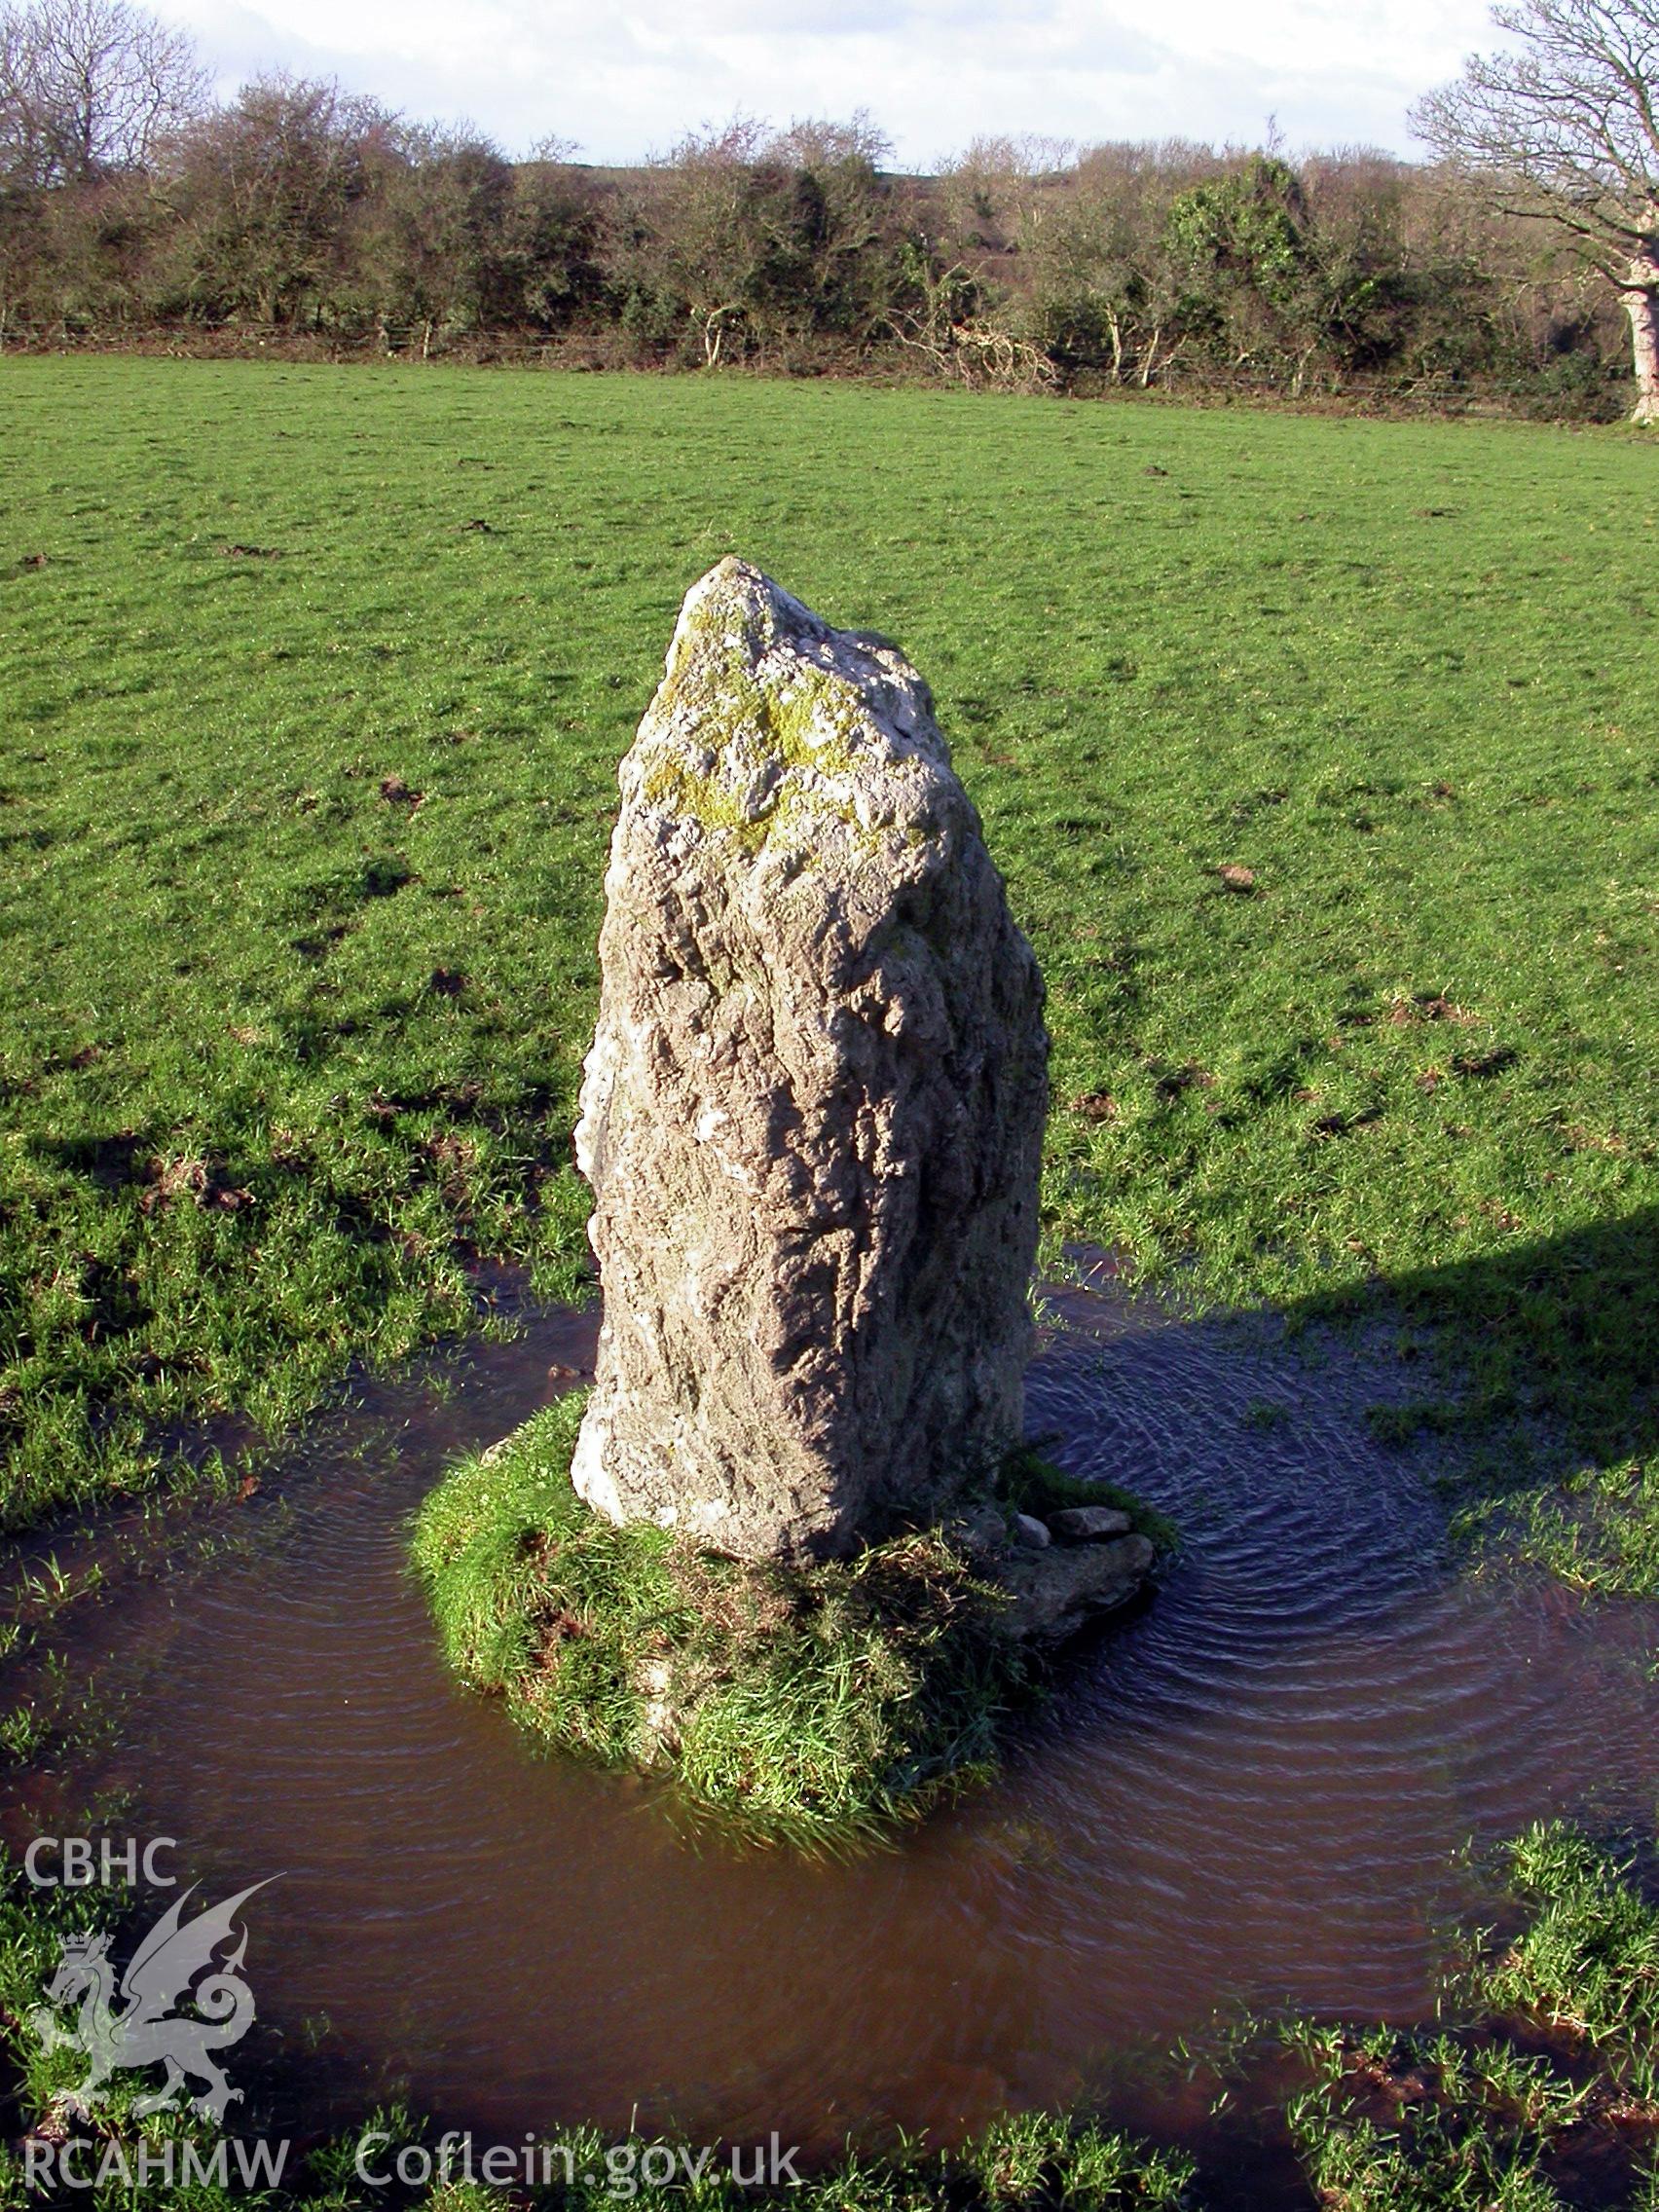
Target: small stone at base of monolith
[(1057, 1592), (1089, 1524)]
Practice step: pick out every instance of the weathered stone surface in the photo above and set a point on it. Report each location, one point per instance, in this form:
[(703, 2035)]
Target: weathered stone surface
[(1028, 1529), (813, 1109), (1089, 1524), (1057, 1592)]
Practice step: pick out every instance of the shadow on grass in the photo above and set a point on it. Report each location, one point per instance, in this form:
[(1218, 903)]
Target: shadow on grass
[(1541, 1361)]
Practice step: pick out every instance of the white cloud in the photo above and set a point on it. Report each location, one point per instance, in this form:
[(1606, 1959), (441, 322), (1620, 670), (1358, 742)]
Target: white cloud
[(932, 73)]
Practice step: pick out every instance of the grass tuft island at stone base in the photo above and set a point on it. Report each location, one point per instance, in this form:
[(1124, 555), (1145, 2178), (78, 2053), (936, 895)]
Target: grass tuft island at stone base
[(822, 1706)]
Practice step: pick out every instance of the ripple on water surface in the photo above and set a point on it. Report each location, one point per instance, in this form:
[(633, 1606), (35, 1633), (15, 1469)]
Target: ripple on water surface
[(1251, 1792)]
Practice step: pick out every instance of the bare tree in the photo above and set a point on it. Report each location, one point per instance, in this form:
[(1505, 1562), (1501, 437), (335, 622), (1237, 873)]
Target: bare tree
[(271, 193), (1566, 130), (87, 88), (758, 237), (436, 226), (698, 234)]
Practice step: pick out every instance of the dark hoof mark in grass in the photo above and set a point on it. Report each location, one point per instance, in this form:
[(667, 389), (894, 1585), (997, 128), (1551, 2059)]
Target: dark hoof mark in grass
[(1170, 1083), (1152, 469), (1095, 1106), (318, 946), (1344, 1125), (1427, 1005), (33, 561), (1402, 1010), (383, 879), (250, 552), (1434, 514), (1577, 1138), (452, 1156), (188, 1179), (446, 982), (397, 792), (1479, 1066), (485, 529), (1235, 877), (111, 1163)]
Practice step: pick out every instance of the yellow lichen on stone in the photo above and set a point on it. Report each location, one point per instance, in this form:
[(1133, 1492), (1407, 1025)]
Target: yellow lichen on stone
[(804, 729)]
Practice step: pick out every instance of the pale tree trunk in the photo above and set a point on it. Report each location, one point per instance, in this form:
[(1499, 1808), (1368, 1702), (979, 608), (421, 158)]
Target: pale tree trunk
[(1641, 305), (714, 333)]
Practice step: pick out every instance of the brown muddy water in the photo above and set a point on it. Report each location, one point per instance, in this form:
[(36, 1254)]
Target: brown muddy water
[(1252, 1793)]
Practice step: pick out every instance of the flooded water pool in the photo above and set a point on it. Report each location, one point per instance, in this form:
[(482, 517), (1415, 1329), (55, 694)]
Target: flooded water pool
[(1253, 1792)]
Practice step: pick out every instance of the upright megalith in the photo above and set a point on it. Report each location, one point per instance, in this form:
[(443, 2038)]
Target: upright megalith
[(813, 1109)]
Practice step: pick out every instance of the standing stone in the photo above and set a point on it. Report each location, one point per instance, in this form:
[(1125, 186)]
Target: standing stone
[(813, 1109)]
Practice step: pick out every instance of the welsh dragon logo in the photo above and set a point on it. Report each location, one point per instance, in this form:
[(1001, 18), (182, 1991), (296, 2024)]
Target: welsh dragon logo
[(126, 2028)]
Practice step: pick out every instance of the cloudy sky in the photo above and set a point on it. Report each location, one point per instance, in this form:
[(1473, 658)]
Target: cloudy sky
[(624, 80)]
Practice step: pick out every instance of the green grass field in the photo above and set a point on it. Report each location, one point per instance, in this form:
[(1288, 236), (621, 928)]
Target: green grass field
[(314, 686)]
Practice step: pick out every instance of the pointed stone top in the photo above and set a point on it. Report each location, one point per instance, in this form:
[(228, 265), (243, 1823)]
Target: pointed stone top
[(739, 607), (769, 723)]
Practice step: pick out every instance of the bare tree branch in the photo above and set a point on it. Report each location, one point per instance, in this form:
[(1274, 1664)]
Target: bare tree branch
[(1566, 130), (87, 87)]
